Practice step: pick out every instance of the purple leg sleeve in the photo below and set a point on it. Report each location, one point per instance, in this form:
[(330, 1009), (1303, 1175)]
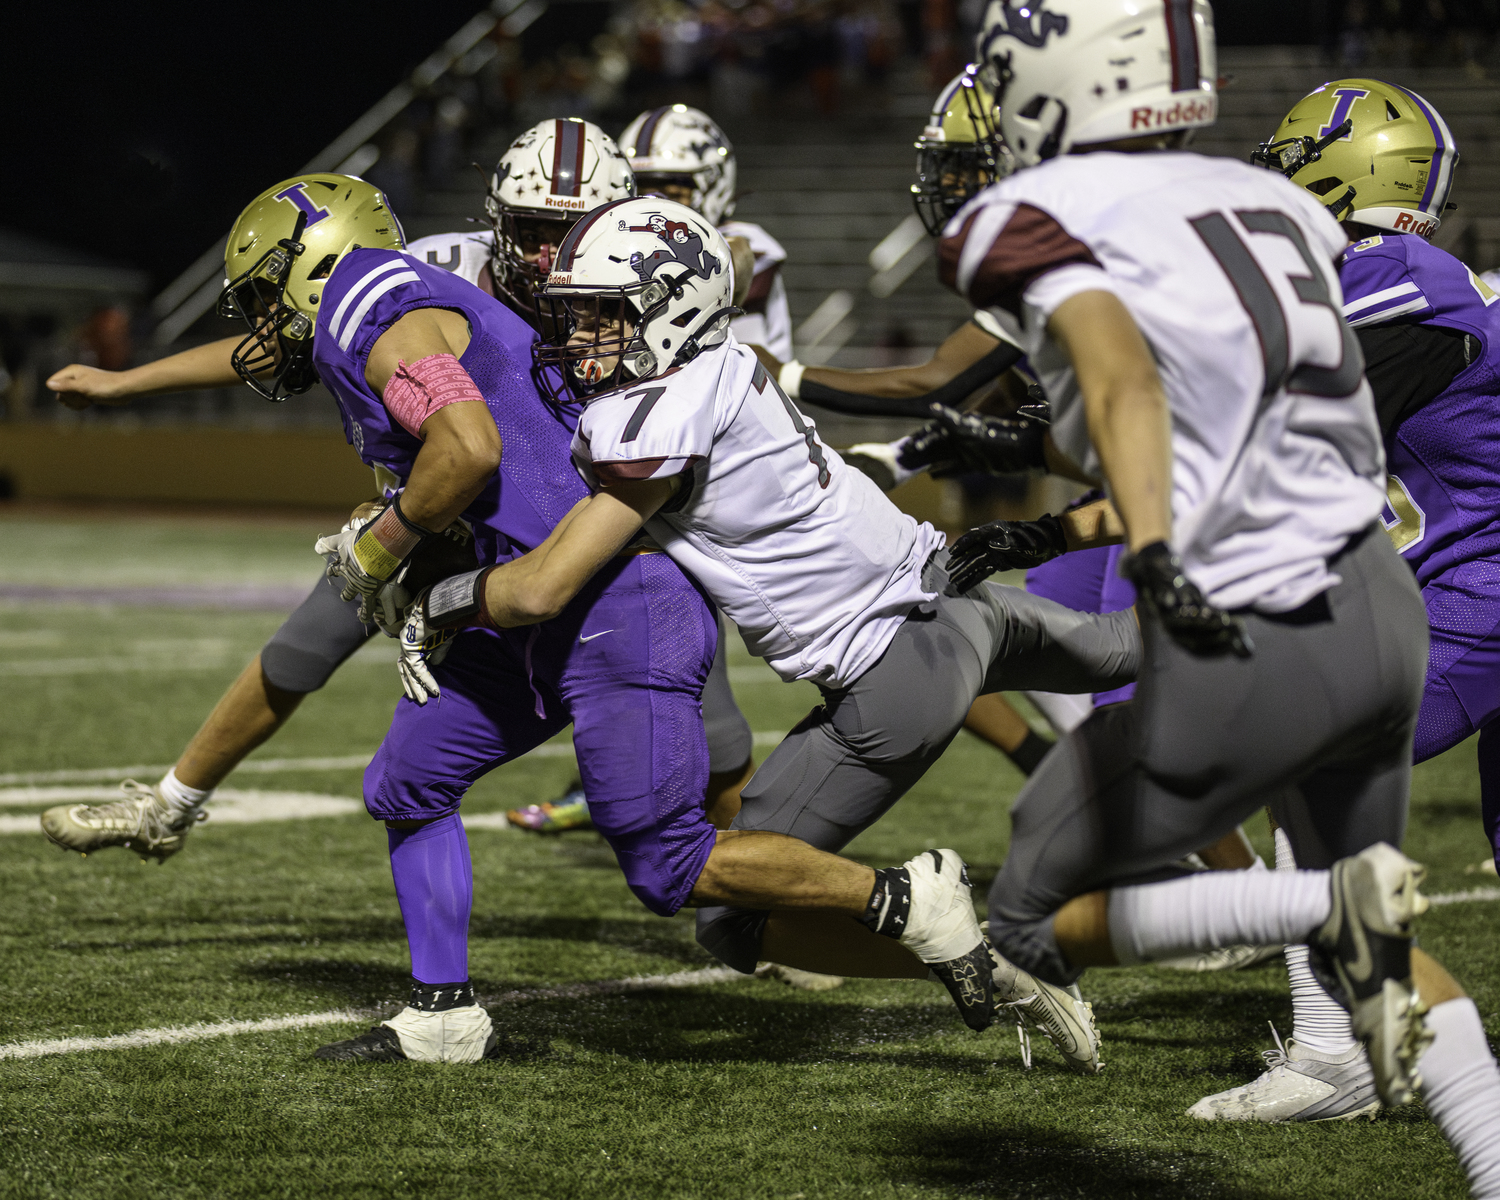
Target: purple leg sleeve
[(435, 887)]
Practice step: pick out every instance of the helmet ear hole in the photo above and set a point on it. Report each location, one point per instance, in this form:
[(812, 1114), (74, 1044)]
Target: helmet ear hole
[(1324, 186), (1033, 108), (321, 271)]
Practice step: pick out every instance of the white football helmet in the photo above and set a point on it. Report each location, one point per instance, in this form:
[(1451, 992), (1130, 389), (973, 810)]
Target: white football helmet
[(684, 142), (1074, 72), (552, 174), (638, 287)]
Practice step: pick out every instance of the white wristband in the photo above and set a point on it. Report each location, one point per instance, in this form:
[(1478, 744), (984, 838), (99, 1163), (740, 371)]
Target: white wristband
[(790, 378)]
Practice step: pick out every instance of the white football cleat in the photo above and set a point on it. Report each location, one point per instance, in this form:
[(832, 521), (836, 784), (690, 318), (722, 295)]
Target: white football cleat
[(1365, 947), (140, 820), (1227, 958), (1061, 1015), (457, 1035), (943, 932), (1299, 1085), (795, 977)]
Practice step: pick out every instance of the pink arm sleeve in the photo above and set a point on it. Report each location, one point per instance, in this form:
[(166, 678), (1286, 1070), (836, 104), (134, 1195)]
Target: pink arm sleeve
[(415, 392)]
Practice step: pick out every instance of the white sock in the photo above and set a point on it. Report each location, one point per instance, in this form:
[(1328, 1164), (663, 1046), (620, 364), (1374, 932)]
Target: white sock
[(1214, 910), (178, 795), (1461, 1089), (1317, 1021)]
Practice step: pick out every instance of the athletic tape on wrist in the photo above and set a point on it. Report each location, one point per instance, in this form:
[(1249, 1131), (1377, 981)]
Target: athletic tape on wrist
[(387, 541), (790, 378), (417, 391), (458, 600)]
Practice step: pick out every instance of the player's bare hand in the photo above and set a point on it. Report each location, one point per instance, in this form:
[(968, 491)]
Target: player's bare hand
[(1004, 546), (1194, 624), (78, 386)]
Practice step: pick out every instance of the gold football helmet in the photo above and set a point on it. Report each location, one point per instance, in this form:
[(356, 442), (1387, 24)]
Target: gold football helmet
[(280, 253), (960, 150), (1379, 154)]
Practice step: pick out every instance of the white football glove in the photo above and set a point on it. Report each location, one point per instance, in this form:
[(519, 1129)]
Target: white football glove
[(357, 555), (421, 649)]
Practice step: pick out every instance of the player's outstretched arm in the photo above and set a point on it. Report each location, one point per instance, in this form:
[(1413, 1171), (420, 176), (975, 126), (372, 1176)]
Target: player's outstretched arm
[(1126, 407), (538, 586), (968, 358), (206, 366), (1130, 426)]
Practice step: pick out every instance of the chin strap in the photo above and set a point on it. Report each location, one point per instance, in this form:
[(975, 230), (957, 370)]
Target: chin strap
[(694, 346)]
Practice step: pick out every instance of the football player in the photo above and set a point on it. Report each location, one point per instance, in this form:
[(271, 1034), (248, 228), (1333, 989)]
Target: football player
[(549, 176), (680, 153), (318, 276), (686, 434), (1183, 315)]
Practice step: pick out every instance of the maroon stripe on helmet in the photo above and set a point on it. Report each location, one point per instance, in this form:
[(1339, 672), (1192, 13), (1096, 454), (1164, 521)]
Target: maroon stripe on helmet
[(569, 246), (567, 158), (648, 131), (1182, 42)]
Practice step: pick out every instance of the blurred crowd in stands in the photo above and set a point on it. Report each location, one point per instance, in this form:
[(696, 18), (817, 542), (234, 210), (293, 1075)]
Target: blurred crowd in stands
[(1371, 34)]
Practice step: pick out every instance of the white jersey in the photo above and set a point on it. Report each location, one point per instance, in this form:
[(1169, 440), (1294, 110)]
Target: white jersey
[(467, 255), (1228, 270), (768, 317), (807, 556)]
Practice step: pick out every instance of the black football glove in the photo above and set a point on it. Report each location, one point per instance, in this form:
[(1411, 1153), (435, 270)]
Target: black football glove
[(956, 443), (1188, 618), (1004, 546)]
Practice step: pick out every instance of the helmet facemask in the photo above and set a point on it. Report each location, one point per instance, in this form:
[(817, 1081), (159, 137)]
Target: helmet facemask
[(275, 357), (952, 172), (600, 339), (1290, 155), (526, 241)]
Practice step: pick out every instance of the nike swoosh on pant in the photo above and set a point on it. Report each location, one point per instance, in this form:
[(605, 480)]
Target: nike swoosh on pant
[(592, 636)]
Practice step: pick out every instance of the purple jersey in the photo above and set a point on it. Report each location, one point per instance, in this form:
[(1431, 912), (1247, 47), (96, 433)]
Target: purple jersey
[(1444, 485), (536, 484), (1089, 581)]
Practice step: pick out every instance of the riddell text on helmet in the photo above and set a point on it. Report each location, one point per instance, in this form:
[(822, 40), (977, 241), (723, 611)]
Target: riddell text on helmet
[(1410, 222), (1184, 112)]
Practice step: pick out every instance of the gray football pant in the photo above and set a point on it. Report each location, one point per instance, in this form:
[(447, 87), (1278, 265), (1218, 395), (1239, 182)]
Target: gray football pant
[(324, 631), (1317, 724), (848, 761)]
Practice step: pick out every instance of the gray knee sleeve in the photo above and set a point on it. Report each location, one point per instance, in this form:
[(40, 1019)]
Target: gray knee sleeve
[(314, 641), (733, 935), (729, 738)]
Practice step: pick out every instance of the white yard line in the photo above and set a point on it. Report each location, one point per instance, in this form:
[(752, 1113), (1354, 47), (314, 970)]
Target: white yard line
[(1476, 894), (270, 766), (176, 1034)]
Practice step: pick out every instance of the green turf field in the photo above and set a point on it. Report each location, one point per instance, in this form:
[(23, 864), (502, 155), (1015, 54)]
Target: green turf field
[(739, 1089)]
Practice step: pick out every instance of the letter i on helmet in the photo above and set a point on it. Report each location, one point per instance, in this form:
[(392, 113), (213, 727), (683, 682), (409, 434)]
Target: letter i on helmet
[(551, 175), (960, 151), (1077, 72), (679, 145), (639, 287), (280, 254), (1374, 153)]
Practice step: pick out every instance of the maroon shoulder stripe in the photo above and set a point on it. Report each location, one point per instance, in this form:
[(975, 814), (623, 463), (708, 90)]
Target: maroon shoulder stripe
[(1031, 244)]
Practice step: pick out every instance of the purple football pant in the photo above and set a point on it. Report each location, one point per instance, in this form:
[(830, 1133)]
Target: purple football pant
[(1462, 692), (625, 665), (1087, 581)]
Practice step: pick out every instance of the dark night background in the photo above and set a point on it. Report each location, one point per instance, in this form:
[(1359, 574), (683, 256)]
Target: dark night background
[(139, 131)]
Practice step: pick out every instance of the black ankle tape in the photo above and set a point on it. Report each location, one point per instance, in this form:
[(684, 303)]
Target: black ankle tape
[(890, 901), (1029, 754), (440, 997)]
